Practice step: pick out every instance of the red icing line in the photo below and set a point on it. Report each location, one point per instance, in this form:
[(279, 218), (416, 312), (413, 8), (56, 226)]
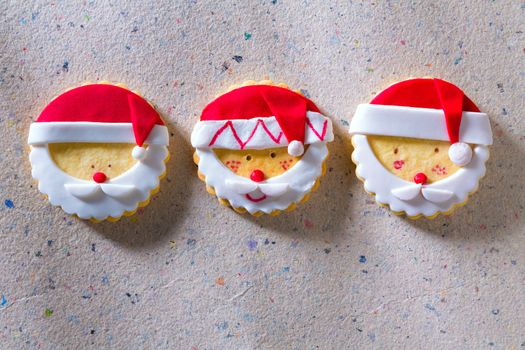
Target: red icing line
[(323, 133), (274, 139), (256, 101), (256, 200), (241, 143)]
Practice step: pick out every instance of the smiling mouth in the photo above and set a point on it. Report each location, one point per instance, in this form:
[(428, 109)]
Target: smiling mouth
[(263, 197)]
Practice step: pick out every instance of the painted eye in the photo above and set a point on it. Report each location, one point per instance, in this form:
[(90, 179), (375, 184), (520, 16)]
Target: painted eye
[(92, 166), (436, 150), (109, 165), (396, 150), (248, 157), (273, 155)]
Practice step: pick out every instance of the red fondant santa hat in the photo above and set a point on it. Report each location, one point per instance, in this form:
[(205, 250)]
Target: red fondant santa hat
[(259, 117), (100, 113), (426, 108)]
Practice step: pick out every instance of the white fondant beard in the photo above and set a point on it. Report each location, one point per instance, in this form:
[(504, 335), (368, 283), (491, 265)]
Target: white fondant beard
[(100, 201), (413, 199), (276, 193)]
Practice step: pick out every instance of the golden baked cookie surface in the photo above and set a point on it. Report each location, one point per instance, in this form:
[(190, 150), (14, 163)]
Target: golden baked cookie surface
[(81, 160), (406, 157), (272, 161)]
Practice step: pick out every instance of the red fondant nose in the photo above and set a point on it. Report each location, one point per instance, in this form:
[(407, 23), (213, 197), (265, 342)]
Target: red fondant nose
[(99, 177), (257, 175), (420, 178)]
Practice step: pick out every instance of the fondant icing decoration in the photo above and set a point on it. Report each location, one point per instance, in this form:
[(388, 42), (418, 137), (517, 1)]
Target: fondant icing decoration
[(420, 146), (98, 151), (260, 147)]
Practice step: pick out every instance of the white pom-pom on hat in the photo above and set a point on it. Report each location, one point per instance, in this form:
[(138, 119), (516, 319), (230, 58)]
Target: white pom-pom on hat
[(460, 153), (138, 153), (296, 148)]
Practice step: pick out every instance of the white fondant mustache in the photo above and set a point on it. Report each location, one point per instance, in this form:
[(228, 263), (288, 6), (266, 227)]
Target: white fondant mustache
[(245, 187), (434, 195), (88, 191)]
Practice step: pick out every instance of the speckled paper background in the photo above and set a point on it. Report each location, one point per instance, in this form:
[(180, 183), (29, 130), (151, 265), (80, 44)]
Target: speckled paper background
[(338, 273)]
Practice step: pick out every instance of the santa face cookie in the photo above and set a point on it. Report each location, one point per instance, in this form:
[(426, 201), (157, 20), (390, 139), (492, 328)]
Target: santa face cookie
[(261, 148), (420, 146), (98, 151)]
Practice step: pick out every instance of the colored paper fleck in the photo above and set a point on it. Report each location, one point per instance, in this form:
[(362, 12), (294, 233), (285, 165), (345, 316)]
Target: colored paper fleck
[(362, 259), (222, 326), (219, 281), (3, 301), (48, 312), (252, 245), (430, 307), (308, 224), (247, 35), (134, 298), (9, 203)]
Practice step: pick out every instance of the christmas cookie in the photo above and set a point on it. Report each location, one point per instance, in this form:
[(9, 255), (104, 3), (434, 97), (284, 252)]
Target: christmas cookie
[(420, 147), (261, 148), (98, 151)]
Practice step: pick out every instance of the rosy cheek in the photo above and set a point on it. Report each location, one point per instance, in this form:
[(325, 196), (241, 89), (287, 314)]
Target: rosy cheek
[(286, 164), (233, 165), (439, 170), (398, 164)]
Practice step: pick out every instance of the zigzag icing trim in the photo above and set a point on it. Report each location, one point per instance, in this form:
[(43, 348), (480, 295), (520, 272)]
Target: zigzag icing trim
[(257, 133)]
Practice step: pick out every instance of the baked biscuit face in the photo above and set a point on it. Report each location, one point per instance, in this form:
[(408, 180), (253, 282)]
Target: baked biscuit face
[(98, 151), (271, 162), (81, 160), (420, 147), (405, 157), (261, 148)]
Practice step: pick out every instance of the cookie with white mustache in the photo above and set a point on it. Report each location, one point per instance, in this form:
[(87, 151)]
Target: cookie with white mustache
[(261, 147), (98, 151), (420, 147)]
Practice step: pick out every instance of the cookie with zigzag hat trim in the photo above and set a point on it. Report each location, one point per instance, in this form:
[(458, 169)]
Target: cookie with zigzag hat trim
[(261, 147)]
